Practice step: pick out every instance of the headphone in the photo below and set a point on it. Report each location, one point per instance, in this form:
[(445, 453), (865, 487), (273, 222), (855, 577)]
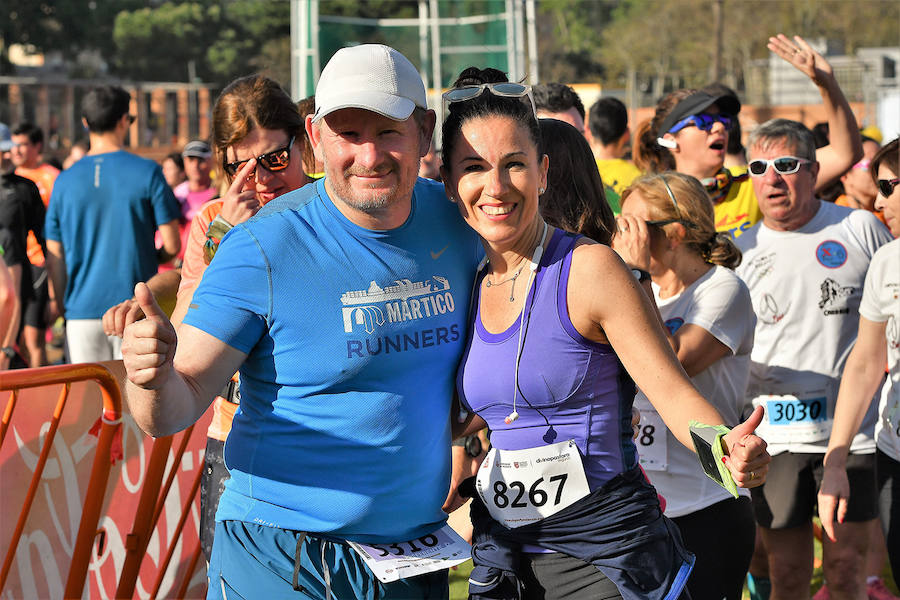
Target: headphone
[(665, 143), (535, 263)]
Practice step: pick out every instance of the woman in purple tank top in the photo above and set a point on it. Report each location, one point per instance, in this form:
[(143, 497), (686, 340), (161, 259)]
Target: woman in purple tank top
[(560, 326)]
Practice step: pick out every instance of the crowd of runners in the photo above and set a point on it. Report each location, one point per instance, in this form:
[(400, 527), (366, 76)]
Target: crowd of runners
[(641, 363)]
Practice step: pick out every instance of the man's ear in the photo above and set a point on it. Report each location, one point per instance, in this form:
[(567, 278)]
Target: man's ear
[(589, 136), (315, 137), (623, 143)]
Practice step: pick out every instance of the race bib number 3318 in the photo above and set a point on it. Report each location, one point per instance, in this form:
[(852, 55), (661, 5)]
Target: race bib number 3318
[(439, 550)]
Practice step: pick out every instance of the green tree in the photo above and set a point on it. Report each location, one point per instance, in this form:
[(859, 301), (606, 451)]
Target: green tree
[(569, 34), (159, 43), (68, 26), (673, 42), (223, 39)]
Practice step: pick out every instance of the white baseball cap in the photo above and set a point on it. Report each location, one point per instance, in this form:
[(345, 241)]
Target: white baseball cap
[(372, 77)]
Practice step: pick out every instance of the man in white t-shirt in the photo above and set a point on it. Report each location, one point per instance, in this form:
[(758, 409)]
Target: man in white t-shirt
[(805, 265)]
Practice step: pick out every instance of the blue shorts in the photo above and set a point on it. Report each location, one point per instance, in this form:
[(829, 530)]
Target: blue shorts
[(252, 561)]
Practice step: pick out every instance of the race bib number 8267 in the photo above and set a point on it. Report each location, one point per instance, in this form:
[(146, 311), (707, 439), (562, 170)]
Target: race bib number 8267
[(523, 486)]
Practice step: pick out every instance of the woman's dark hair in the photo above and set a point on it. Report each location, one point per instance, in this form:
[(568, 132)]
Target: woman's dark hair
[(889, 154), (574, 199), (694, 207), (176, 158), (249, 103), (648, 155), (305, 107), (485, 105)]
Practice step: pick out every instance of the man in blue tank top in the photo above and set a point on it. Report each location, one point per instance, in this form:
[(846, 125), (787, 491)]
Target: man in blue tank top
[(344, 306)]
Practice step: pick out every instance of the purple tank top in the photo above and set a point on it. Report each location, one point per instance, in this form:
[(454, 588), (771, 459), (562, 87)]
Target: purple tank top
[(575, 385)]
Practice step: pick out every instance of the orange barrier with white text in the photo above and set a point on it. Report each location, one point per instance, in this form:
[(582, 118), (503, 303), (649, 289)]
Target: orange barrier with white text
[(142, 544)]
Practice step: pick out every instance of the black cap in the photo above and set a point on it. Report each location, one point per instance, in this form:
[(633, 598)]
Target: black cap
[(697, 103)]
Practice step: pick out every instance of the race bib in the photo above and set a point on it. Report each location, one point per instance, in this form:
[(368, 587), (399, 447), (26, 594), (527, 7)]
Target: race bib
[(439, 550), (523, 486), (798, 419), (651, 440), (892, 417)]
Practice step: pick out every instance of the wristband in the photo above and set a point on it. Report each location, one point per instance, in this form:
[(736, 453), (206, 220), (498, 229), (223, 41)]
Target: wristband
[(711, 450), (217, 230), (471, 444)]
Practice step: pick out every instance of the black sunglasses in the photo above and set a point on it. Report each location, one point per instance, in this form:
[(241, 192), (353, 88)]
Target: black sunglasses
[(276, 160), (886, 186), (663, 222)]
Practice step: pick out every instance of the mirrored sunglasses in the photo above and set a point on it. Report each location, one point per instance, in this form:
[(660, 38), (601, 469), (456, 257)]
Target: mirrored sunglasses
[(506, 89), (886, 186), (276, 160), (703, 121), (784, 165)]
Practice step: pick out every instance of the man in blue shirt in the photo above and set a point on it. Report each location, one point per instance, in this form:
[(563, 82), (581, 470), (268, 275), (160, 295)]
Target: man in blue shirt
[(103, 213), (344, 306)]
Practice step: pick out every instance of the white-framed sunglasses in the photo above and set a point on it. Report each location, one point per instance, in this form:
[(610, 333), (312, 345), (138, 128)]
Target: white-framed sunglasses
[(783, 165), (505, 89)]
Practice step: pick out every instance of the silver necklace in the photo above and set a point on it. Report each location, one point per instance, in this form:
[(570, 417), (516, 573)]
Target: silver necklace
[(512, 290)]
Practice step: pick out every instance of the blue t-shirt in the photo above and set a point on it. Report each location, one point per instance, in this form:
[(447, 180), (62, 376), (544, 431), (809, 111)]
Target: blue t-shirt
[(353, 337), (105, 210)]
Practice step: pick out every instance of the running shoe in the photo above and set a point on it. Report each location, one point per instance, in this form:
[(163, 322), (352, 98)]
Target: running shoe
[(878, 591)]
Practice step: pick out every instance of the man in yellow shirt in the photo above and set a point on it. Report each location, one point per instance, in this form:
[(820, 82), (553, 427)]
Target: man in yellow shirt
[(609, 138)]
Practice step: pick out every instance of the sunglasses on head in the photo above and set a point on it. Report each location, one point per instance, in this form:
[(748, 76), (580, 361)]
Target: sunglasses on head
[(784, 165), (702, 121), (505, 89), (276, 160), (886, 186)]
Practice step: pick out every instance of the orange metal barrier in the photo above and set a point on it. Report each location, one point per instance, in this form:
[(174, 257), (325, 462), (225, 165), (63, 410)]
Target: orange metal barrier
[(147, 514), (150, 507), (93, 499)]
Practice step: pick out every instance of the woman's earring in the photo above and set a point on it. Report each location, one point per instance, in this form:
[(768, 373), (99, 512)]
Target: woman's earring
[(540, 191)]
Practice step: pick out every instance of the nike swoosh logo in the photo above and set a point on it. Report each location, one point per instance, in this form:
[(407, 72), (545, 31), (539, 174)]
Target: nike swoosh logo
[(437, 255)]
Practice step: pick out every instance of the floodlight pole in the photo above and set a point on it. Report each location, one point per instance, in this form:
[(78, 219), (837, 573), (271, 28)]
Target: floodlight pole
[(532, 41), (437, 81), (304, 47)]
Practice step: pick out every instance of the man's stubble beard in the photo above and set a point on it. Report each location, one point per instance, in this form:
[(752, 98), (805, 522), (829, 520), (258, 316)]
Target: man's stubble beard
[(374, 205)]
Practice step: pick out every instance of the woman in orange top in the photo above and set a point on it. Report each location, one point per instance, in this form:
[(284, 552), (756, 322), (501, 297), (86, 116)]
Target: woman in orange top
[(258, 137)]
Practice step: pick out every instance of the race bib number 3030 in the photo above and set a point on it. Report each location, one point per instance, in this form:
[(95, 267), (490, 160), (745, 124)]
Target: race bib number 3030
[(795, 418), (439, 550), (519, 487)]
